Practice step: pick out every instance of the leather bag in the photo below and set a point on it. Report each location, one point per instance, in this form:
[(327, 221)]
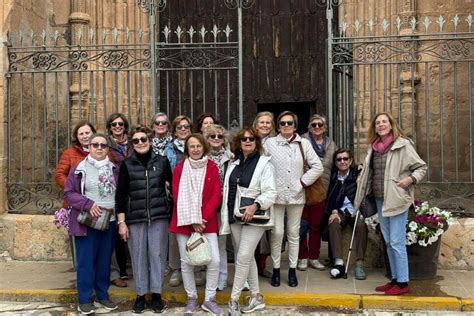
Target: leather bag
[(316, 192), (100, 223)]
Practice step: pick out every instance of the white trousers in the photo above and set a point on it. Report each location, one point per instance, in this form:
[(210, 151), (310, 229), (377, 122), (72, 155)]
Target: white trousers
[(245, 239), (222, 239), (293, 219), (187, 270)]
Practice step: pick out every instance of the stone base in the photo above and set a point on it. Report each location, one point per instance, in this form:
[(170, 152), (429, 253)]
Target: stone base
[(33, 238), (457, 245)]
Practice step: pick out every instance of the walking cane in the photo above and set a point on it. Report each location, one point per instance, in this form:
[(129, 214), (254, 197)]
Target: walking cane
[(350, 246)]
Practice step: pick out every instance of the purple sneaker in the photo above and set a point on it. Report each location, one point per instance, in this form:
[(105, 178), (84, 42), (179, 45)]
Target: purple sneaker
[(212, 307), (191, 306)]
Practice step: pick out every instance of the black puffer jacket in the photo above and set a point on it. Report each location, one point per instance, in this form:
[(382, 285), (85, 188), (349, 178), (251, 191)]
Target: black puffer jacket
[(338, 190), (141, 192)]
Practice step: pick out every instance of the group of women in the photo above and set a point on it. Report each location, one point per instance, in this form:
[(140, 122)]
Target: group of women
[(166, 182)]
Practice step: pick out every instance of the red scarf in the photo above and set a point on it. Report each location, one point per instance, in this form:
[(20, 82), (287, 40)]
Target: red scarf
[(379, 145)]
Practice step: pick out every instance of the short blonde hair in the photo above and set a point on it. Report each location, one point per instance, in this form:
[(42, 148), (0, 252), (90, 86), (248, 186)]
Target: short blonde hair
[(216, 128), (265, 113)]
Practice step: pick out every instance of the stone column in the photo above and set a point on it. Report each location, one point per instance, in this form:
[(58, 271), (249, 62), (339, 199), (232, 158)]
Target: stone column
[(79, 89)]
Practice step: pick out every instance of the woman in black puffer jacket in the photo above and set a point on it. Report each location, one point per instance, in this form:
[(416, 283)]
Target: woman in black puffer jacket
[(143, 213), (340, 212)]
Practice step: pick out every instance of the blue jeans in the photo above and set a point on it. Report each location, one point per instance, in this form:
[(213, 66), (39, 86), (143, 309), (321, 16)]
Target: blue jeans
[(394, 232), (94, 255)]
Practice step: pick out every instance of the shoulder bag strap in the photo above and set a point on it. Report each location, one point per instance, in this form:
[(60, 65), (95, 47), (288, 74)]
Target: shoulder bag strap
[(305, 164)]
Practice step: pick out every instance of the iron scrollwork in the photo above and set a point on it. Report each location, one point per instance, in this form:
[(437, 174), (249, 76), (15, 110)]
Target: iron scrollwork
[(31, 197), (242, 4), (327, 3), (145, 5)]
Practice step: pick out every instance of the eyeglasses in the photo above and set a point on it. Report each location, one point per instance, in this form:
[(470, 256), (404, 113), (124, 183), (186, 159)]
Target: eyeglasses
[(184, 126), (160, 123), (142, 139), (314, 125), (247, 139), (216, 136), (342, 158), (286, 123), (114, 124), (99, 145)]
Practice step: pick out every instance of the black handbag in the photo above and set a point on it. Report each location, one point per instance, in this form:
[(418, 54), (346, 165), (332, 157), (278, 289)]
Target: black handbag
[(260, 216), (367, 207)]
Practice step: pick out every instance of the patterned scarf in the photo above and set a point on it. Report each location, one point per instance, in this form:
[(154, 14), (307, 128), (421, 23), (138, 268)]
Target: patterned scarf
[(380, 146), (319, 149), (106, 182), (179, 143), (190, 189), (159, 144), (217, 156)]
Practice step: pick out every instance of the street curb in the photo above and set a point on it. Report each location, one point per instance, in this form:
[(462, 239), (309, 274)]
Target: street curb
[(333, 301)]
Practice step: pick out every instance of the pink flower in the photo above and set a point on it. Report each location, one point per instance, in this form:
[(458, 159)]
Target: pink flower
[(422, 219), (418, 202)]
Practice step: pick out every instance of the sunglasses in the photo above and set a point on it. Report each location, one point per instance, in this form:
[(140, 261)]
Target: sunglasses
[(247, 139), (160, 123), (99, 145), (342, 158), (216, 136), (142, 139), (184, 126), (314, 125), (286, 123), (114, 124)]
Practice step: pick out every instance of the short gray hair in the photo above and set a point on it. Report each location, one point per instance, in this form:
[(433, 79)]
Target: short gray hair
[(318, 117)]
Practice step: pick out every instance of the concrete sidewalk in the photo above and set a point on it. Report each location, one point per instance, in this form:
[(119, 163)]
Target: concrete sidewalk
[(450, 290)]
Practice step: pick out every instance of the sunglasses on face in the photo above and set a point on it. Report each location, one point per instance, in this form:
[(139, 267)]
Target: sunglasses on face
[(99, 145), (342, 158), (216, 136), (314, 125), (114, 124), (184, 126), (286, 123), (160, 123), (142, 139), (247, 139)]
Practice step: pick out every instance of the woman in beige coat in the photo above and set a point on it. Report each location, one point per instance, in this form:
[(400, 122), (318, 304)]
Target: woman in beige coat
[(391, 168)]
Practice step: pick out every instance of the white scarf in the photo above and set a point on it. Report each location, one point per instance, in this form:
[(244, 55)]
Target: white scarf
[(190, 189), (179, 143)]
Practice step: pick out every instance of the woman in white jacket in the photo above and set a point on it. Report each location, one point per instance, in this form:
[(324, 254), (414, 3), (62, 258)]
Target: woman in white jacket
[(285, 151), (250, 175)]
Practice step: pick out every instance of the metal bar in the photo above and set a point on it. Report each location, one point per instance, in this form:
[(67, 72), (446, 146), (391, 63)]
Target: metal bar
[(471, 145), (56, 115), (228, 99), (104, 94), (456, 121), (167, 93), (153, 68), (33, 127), (68, 102), (21, 127), (140, 97), (427, 122), (441, 111), (372, 104), (80, 95), (385, 88), (357, 107), (413, 103), (116, 92), (9, 128), (45, 130), (399, 100), (179, 93), (241, 66), (203, 91), (342, 106), (191, 93), (93, 112), (216, 110), (129, 100)]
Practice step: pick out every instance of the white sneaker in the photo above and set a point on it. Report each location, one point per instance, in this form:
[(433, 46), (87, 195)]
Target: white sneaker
[(302, 264), (315, 264), (176, 278), (255, 303), (222, 282)]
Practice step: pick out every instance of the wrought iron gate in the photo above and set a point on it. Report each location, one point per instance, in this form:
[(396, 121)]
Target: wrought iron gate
[(421, 71), (55, 80)]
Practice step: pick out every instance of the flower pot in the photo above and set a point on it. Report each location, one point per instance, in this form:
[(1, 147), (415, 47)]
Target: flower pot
[(423, 261)]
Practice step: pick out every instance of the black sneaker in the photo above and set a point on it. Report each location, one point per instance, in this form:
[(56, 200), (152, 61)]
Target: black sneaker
[(139, 305), (107, 304), (157, 304), (86, 309)]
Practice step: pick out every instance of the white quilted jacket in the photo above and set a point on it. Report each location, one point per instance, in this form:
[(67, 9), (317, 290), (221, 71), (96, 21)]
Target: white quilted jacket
[(288, 162)]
